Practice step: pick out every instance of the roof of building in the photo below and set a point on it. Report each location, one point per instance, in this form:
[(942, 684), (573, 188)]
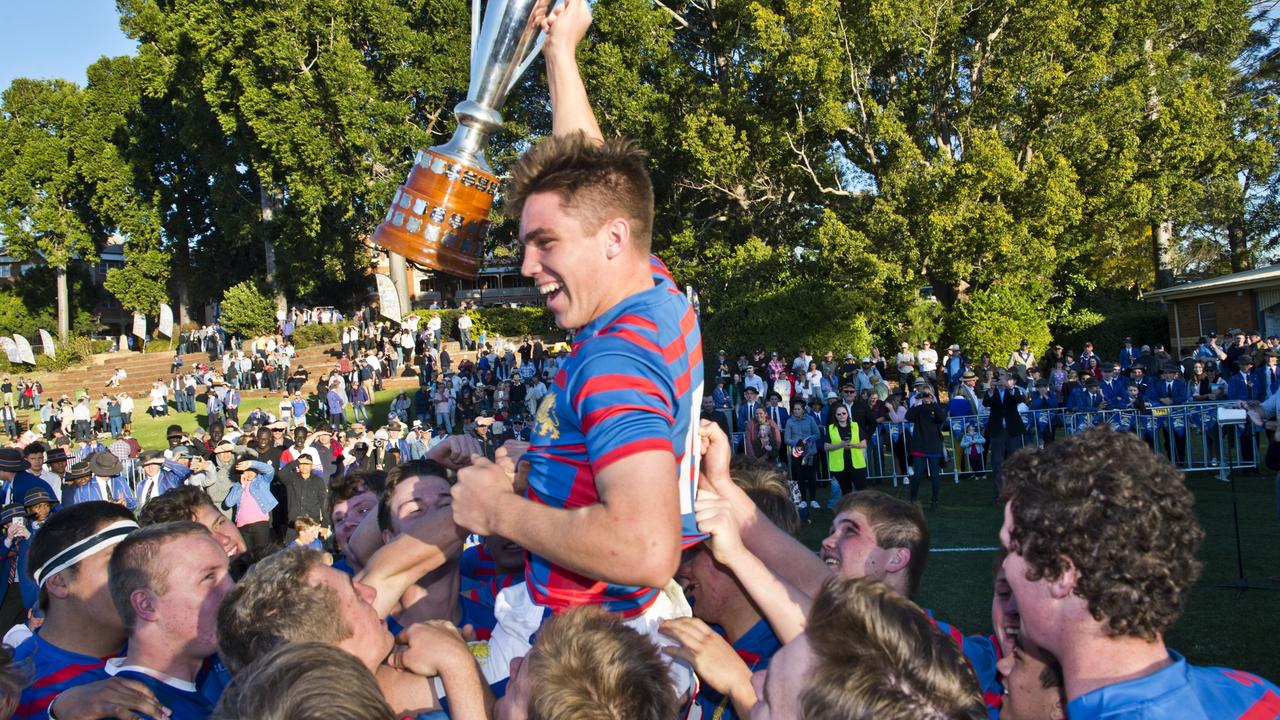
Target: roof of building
[(1264, 277)]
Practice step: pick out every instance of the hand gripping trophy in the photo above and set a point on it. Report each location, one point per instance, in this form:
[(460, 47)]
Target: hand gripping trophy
[(439, 217)]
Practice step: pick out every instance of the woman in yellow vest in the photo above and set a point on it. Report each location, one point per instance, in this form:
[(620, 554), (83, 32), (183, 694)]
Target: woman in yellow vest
[(846, 456)]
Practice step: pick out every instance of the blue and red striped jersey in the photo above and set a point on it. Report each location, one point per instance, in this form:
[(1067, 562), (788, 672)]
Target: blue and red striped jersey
[(1183, 691), (631, 383), (55, 670)]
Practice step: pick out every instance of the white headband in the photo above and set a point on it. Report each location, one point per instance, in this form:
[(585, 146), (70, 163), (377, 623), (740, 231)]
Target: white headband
[(108, 536)]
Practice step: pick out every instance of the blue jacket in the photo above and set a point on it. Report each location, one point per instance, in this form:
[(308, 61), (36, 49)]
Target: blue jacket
[(1128, 356), (1244, 387), (1262, 378), (1156, 390), (23, 483), (1116, 391), (1085, 401), (259, 488)]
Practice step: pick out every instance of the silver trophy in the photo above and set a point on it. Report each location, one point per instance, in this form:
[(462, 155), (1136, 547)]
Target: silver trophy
[(439, 217)]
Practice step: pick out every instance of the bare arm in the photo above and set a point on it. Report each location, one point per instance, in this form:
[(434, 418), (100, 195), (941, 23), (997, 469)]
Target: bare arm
[(630, 537), (785, 607), (425, 545), (571, 111), (782, 554)]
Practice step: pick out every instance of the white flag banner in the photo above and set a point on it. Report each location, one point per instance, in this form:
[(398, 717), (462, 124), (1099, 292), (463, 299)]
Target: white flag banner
[(47, 341), (388, 298), (165, 327), (24, 349), (140, 326), (10, 349)]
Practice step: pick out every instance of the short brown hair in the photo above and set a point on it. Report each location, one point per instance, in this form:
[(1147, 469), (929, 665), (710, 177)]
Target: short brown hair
[(897, 524), (767, 488), (179, 503), (275, 603), (587, 664), (877, 655), (1122, 515), (301, 681), (598, 180), (133, 565)]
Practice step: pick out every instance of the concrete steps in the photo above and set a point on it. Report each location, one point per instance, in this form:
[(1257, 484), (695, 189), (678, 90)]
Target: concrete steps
[(144, 369)]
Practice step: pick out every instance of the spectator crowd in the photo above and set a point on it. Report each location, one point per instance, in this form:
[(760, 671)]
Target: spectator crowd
[(588, 534)]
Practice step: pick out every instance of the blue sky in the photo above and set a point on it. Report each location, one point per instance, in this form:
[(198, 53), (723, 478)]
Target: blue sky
[(57, 38)]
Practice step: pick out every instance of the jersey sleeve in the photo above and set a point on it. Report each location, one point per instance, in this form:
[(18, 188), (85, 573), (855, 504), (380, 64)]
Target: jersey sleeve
[(625, 405)]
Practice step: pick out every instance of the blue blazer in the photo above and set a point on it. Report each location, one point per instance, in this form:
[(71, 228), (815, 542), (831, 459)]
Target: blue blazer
[(1261, 378), (1156, 390), (1244, 388), (1117, 392)]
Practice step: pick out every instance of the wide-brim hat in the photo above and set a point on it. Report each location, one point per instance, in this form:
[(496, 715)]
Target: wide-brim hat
[(11, 511), (77, 471), (35, 496), (152, 458), (105, 464), (11, 460), (954, 347), (55, 455), (175, 434), (968, 375)]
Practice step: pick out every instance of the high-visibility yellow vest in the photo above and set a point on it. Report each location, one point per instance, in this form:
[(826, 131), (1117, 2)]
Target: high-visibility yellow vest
[(835, 458)]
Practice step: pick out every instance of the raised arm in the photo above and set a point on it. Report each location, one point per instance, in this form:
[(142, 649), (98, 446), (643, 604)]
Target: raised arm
[(781, 554), (571, 111), (426, 544)]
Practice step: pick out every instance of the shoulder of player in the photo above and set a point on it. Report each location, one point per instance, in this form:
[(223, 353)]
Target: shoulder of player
[(1221, 684)]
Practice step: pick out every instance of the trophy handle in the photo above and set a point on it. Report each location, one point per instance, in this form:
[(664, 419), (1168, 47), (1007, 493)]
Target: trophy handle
[(524, 64)]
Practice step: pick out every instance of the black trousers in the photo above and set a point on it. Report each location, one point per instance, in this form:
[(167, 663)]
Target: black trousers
[(12, 612), (806, 477), (256, 535), (851, 479)]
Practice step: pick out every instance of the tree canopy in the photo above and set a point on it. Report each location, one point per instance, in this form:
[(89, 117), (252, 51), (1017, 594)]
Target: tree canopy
[(817, 163)]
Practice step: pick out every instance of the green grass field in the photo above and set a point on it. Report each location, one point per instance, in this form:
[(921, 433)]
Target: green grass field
[(1219, 627)]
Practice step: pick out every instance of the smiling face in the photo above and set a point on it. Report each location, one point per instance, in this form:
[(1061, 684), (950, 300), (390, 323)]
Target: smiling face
[(223, 530), (851, 550), (567, 261), (1004, 612), (1025, 695), (348, 513)]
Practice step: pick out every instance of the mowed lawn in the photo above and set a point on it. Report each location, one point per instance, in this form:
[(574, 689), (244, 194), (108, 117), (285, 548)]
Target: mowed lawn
[(1219, 627)]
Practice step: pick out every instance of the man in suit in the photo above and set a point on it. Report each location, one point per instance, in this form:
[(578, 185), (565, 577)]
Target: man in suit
[(1244, 385), (1114, 387), (747, 410), (1004, 424), (1268, 376)]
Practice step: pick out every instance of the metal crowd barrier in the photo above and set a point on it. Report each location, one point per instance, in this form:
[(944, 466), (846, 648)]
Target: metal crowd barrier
[(1190, 436)]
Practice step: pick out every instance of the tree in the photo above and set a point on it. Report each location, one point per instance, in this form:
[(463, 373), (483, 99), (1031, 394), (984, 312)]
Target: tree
[(248, 309), (46, 206), (322, 104)]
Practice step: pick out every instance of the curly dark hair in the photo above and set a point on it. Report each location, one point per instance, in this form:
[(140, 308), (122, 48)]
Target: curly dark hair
[(1122, 515)]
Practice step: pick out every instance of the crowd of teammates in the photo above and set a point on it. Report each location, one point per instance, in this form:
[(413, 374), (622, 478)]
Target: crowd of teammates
[(620, 563)]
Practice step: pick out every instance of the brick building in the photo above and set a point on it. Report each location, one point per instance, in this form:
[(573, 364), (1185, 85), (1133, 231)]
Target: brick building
[(1248, 300)]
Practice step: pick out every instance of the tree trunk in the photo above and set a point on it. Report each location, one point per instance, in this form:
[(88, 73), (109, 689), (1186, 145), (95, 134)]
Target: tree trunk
[(181, 279), (1236, 244), (64, 304), (269, 201), (1162, 252)]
